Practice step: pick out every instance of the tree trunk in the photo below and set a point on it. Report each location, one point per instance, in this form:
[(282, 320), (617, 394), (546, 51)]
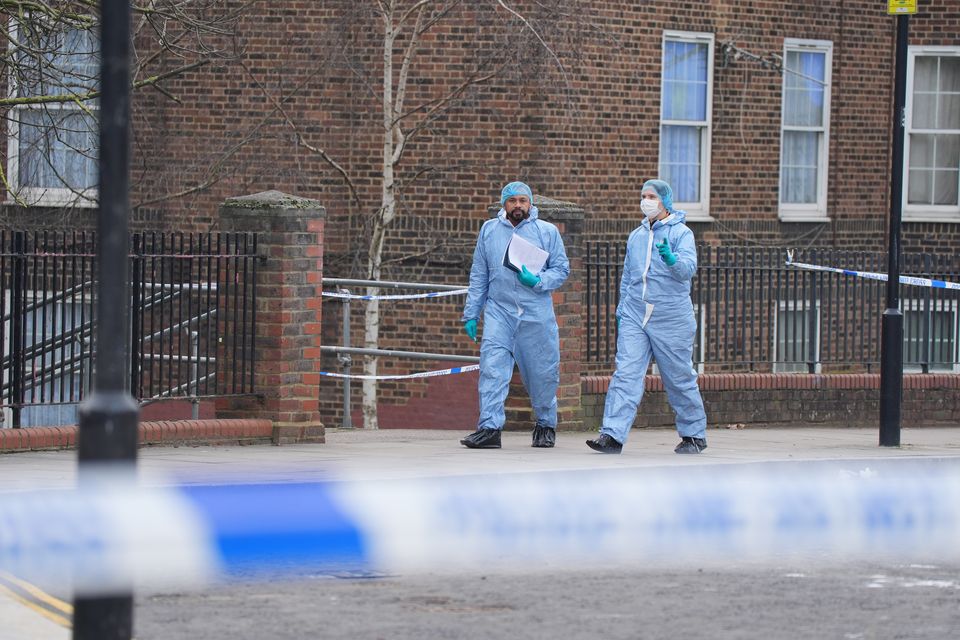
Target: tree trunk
[(381, 220)]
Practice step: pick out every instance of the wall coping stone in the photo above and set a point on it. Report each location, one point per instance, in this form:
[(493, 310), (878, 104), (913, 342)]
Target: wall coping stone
[(756, 381), (278, 202), (158, 433)]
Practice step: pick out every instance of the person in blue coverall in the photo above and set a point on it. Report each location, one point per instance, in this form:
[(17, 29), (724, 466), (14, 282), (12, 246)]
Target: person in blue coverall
[(655, 319), (518, 320)]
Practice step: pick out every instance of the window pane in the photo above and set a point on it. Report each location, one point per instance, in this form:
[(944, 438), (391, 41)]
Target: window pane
[(947, 158), (798, 179), (950, 73), (945, 187), (685, 81), (920, 190), (948, 111), (925, 110), (921, 151), (948, 151), (56, 62), (58, 149), (804, 91), (680, 161), (925, 73)]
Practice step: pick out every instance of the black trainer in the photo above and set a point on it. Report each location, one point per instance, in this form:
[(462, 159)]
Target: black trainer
[(605, 444), (543, 436), (690, 445), (482, 439)]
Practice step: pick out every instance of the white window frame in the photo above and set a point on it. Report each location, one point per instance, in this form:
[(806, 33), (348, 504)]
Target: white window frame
[(808, 212), (923, 212), (795, 305), (37, 196), (696, 211), (949, 306)]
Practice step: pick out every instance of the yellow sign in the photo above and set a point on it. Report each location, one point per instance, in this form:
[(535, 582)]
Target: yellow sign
[(896, 7)]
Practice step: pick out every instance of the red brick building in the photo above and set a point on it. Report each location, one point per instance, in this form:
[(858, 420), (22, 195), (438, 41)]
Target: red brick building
[(773, 121)]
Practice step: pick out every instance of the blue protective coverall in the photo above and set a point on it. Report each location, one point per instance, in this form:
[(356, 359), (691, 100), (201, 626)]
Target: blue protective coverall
[(656, 319), (518, 321)]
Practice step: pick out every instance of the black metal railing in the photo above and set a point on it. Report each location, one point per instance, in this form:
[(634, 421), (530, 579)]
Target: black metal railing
[(192, 309), (755, 313)]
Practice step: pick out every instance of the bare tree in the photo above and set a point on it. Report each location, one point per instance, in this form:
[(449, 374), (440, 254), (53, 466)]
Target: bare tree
[(50, 65), (508, 43)]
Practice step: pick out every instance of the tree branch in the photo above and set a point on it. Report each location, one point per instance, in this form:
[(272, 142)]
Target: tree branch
[(90, 95), (522, 19), (278, 106)]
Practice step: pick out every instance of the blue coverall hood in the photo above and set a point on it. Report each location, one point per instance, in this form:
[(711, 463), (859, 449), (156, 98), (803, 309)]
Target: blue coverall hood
[(515, 189), (663, 190)]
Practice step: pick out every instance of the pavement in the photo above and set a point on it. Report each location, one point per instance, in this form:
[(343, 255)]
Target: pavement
[(402, 454)]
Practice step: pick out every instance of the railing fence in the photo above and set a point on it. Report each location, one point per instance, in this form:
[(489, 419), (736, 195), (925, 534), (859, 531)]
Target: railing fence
[(193, 301), (755, 313)]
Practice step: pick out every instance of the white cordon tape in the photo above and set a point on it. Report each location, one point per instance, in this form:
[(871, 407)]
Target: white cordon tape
[(917, 282), (423, 374), (408, 296), (101, 539)]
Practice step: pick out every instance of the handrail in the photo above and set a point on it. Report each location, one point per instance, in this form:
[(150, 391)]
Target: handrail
[(400, 354), (384, 284)]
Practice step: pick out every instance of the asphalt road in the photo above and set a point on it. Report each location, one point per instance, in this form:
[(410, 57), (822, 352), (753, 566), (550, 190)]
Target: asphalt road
[(794, 600)]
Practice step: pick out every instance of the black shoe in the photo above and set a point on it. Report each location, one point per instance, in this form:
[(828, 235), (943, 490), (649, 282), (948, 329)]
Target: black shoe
[(482, 439), (605, 444), (690, 445), (543, 436)]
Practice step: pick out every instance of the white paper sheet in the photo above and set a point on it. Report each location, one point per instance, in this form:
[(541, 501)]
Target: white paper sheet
[(521, 252)]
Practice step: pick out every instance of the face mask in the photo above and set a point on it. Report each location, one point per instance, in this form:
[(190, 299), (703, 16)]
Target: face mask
[(650, 208)]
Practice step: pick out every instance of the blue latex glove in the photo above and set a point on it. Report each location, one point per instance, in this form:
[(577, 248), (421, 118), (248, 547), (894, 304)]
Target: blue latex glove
[(665, 254), (527, 278), (470, 326)]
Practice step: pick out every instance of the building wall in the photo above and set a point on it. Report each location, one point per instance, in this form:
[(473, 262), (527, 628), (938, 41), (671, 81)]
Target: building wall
[(588, 135)]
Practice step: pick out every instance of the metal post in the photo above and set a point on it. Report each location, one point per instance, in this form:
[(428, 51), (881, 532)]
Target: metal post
[(194, 355), (345, 362), (18, 319), (891, 346), (136, 309), (108, 418), (812, 356)]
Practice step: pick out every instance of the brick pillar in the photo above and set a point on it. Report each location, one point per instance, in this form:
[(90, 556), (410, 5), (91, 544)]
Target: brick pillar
[(287, 340), (568, 305)]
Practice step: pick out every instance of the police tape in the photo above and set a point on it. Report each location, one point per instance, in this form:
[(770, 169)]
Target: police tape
[(406, 296), (405, 376), (98, 539), (911, 280)]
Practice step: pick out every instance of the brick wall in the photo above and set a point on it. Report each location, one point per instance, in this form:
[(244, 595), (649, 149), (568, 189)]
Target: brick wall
[(587, 135)]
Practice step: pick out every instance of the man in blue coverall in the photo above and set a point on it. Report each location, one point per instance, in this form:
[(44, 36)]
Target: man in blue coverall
[(655, 319), (519, 325)]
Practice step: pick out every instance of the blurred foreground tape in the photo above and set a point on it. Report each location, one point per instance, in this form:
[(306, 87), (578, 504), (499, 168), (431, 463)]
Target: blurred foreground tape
[(111, 535)]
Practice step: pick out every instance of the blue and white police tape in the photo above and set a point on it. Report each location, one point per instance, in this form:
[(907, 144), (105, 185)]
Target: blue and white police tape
[(398, 296), (404, 376), (870, 275), (116, 536)]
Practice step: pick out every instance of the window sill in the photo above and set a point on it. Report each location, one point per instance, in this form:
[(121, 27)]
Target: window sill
[(807, 216), (931, 216), (47, 200)]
